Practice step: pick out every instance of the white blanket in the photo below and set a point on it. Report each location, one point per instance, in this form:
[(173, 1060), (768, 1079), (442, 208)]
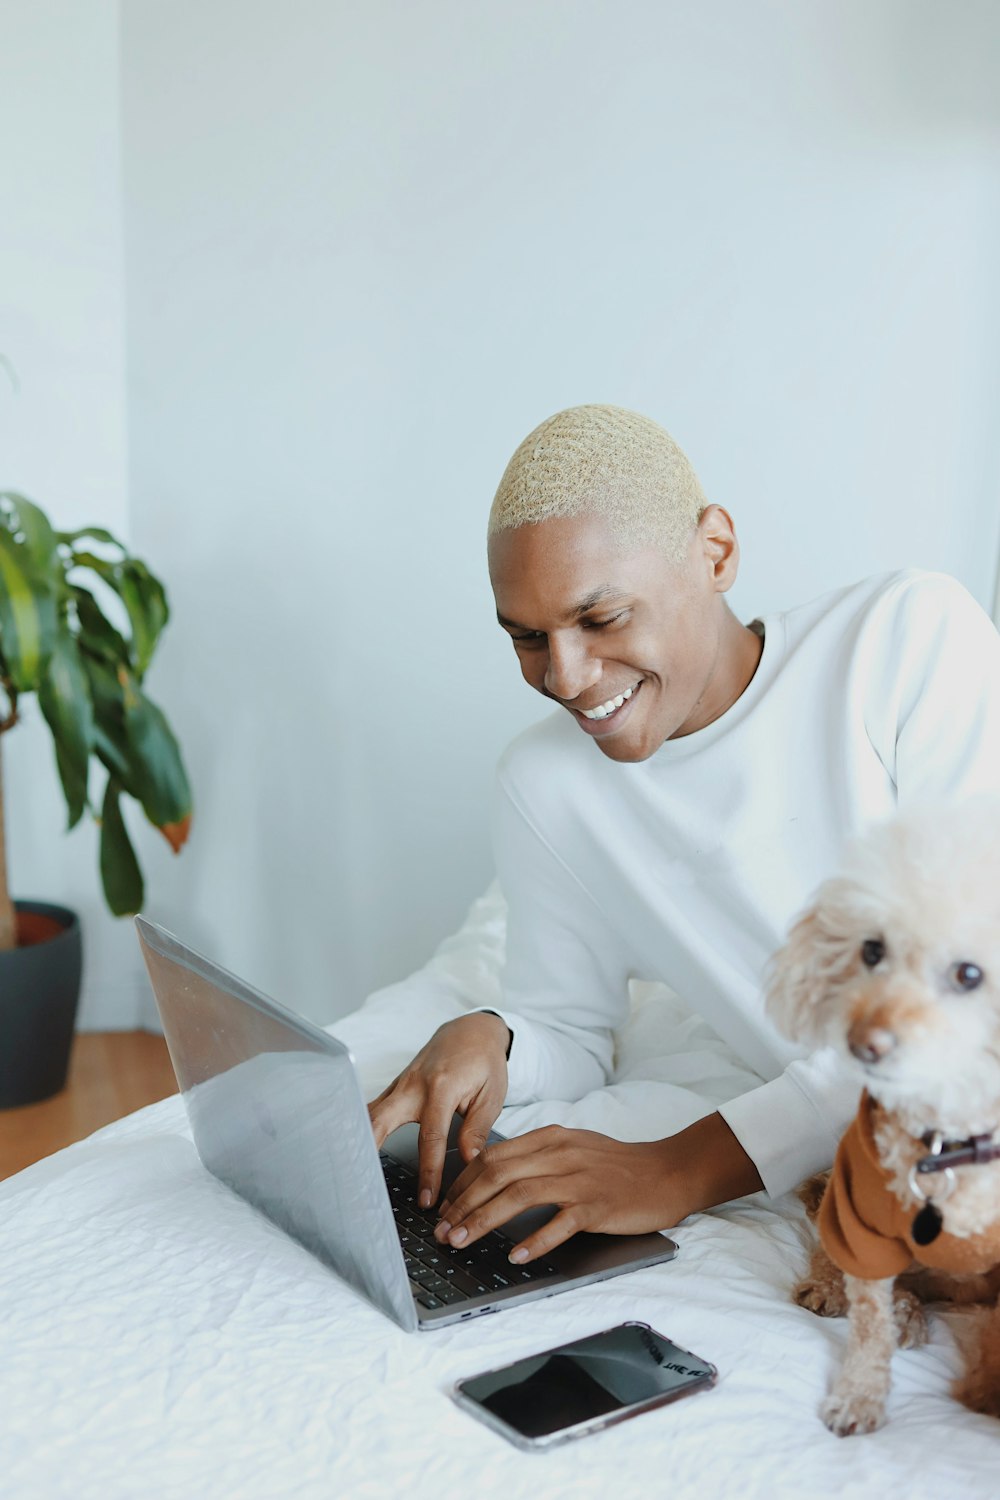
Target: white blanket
[(161, 1339)]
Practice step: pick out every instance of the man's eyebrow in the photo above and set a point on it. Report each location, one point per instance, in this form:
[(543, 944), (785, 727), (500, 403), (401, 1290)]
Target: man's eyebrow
[(596, 596)]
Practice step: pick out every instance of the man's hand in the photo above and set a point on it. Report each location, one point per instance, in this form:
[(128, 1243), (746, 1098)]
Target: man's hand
[(599, 1184), (463, 1067)]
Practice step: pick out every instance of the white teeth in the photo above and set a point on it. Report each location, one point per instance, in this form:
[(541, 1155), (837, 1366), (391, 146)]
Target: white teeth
[(604, 709)]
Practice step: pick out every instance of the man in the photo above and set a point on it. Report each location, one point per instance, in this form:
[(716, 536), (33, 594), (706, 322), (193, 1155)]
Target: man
[(697, 782)]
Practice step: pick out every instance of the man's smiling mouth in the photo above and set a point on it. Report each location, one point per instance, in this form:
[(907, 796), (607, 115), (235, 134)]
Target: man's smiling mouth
[(605, 710)]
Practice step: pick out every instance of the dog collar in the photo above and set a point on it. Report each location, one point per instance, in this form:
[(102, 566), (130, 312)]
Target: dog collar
[(942, 1154)]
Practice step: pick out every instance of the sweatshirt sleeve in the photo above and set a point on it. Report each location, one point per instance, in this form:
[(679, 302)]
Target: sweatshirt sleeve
[(565, 979), (927, 671), (933, 706), (790, 1126)]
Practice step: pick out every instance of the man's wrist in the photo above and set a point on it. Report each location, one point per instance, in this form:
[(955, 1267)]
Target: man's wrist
[(507, 1034), (510, 1035), (705, 1165)]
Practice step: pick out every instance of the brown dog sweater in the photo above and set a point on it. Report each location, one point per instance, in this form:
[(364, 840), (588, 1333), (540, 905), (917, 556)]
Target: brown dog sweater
[(865, 1229)]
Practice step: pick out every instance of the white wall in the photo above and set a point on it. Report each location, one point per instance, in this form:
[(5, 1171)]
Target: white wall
[(368, 247), (62, 432)]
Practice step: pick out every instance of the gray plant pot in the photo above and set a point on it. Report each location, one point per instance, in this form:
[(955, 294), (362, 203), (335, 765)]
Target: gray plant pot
[(39, 993)]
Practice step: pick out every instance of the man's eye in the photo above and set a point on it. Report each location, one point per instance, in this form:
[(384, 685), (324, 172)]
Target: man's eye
[(530, 638), (601, 624)]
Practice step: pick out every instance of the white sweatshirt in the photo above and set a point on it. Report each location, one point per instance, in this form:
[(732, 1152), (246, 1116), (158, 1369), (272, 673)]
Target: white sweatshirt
[(689, 867)]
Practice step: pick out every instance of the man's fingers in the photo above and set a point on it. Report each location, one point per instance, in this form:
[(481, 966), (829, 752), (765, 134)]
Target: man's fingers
[(385, 1092), (395, 1106), (492, 1169), (556, 1232), (479, 1121), (467, 1223), (432, 1143)]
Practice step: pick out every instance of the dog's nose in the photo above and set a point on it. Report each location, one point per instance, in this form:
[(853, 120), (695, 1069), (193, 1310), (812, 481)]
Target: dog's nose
[(870, 1043)]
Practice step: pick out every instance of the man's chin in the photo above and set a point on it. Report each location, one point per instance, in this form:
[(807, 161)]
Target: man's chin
[(627, 749)]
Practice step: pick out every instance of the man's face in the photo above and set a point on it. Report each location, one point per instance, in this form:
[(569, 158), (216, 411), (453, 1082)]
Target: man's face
[(646, 642)]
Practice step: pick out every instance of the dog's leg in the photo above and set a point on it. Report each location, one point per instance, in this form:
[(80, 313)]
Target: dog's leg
[(822, 1287), (979, 1387), (909, 1317), (823, 1292), (857, 1401), (944, 1286)]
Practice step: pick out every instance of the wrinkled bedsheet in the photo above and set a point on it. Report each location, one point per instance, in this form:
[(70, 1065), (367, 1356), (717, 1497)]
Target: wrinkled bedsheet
[(161, 1339)]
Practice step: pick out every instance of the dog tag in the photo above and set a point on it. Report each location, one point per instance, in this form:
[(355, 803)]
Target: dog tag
[(927, 1225)]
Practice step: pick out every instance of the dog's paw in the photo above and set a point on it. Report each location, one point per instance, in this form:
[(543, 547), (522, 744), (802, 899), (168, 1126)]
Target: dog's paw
[(823, 1295), (848, 1412), (911, 1324)]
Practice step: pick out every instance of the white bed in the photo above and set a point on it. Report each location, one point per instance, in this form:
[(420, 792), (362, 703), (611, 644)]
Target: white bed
[(159, 1338)]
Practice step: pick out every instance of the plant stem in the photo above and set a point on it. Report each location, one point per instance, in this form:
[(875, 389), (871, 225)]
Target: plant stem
[(8, 917)]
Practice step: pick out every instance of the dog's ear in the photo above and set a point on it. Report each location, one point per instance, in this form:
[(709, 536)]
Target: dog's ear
[(804, 977)]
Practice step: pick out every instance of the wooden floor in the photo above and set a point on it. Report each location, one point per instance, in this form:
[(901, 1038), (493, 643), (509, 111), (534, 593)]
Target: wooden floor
[(111, 1073)]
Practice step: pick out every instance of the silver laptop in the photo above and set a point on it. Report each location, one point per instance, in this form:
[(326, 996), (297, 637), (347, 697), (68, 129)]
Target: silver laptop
[(277, 1114)]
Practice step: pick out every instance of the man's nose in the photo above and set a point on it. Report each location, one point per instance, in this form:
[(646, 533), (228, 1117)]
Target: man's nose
[(571, 669)]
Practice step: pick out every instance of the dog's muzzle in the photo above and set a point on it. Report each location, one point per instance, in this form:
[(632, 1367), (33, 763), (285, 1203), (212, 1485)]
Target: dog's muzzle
[(869, 1044)]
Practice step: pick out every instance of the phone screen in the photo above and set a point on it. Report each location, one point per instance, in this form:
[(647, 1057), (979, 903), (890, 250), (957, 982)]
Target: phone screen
[(592, 1382)]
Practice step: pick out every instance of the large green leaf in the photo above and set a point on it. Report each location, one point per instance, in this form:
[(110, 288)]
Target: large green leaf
[(28, 614), (97, 635), (133, 739), (120, 873), (144, 597), (141, 593), (157, 770), (21, 516), (110, 739), (96, 533), (64, 697)]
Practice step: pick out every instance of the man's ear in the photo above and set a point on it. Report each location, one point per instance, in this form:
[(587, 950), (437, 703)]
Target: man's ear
[(718, 539)]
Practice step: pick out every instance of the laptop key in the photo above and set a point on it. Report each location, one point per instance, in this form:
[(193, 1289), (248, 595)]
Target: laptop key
[(443, 1290), (427, 1299), (449, 1294), (469, 1284), (492, 1260), (487, 1264)]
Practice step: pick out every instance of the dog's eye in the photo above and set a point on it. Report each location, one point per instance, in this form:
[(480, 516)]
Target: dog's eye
[(965, 976), (872, 952)]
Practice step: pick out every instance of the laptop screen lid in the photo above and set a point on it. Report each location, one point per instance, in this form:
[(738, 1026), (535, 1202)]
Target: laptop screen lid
[(277, 1115)]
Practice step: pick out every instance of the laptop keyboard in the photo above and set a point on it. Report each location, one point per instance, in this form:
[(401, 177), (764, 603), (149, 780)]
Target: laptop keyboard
[(439, 1274)]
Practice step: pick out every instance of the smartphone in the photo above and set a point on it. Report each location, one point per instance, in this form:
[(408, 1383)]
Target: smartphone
[(581, 1387)]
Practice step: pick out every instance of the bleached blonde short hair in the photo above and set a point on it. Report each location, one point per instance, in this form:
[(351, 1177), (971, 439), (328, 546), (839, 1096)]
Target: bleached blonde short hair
[(605, 461)]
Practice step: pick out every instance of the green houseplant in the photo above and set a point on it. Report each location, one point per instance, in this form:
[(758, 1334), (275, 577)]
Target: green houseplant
[(79, 622)]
